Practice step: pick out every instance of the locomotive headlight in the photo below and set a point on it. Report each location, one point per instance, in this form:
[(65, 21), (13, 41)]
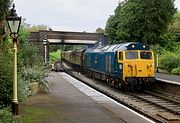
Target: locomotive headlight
[(120, 66), (150, 65), (144, 46), (133, 46)]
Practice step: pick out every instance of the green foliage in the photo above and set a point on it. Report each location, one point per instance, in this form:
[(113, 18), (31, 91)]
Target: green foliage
[(30, 68), (73, 47), (5, 80), (171, 40), (29, 56), (7, 117), (36, 114), (55, 56), (100, 30), (176, 71), (54, 48), (30, 75), (142, 21), (34, 74), (5, 74), (170, 60), (4, 6), (36, 28), (176, 22), (23, 89), (67, 47), (30, 65)]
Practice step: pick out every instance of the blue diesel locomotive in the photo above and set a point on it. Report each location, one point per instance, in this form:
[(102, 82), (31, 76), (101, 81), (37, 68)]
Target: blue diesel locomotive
[(127, 65)]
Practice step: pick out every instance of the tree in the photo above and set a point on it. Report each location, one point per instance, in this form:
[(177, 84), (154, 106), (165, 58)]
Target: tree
[(36, 28), (55, 47), (4, 6), (138, 20), (171, 39), (100, 30)]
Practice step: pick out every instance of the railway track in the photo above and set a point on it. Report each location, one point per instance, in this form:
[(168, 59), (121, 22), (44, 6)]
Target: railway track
[(164, 103), (155, 107)]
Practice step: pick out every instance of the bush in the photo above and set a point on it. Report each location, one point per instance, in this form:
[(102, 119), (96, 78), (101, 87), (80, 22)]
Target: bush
[(7, 117), (23, 89), (30, 67), (169, 61), (176, 71), (30, 75), (29, 56), (5, 80), (54, 56)]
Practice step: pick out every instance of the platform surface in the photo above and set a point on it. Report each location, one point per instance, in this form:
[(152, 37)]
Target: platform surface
[(168, 77), (70, 101)]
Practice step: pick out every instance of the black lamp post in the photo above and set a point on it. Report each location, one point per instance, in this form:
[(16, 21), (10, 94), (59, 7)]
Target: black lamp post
[(14, 23)]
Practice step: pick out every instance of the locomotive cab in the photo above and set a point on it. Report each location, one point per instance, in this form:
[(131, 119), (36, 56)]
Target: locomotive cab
[(136, 64)]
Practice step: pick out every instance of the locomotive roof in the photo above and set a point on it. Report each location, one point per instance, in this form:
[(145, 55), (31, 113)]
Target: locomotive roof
[(123, 46)]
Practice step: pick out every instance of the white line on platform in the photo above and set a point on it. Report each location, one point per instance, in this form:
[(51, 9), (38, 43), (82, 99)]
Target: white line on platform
[(168, 81)]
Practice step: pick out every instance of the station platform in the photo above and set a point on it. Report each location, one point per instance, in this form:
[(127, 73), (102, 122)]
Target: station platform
[(169, 78), (71, 101)]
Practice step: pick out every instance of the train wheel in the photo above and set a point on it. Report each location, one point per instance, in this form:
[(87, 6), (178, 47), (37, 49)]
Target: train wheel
[(90, 74), (121, 85), (117, 83), (126, 87), (112, 82), (107, 80)]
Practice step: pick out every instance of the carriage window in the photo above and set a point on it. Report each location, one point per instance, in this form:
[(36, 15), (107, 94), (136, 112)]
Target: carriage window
[(146, 55), (131, 55), (120, 56)]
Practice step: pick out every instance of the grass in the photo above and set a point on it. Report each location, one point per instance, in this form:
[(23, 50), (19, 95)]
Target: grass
[(32, 114), (54, 56)]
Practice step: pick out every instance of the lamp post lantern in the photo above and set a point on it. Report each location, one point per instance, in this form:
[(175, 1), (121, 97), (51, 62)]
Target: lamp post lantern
[(14, 23), (45, 42)]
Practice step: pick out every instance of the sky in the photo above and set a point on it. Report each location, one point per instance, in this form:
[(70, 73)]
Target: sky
[(68, 15)]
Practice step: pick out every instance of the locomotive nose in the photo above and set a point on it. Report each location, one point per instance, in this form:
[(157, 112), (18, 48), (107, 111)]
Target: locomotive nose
[(139, 69)]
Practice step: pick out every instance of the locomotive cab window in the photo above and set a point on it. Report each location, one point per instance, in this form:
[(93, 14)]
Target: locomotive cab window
[(120, 56), (131, 55), (145, 55)]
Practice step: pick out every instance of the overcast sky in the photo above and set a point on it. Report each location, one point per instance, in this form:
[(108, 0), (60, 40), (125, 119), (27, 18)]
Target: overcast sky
[(68, 15)]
